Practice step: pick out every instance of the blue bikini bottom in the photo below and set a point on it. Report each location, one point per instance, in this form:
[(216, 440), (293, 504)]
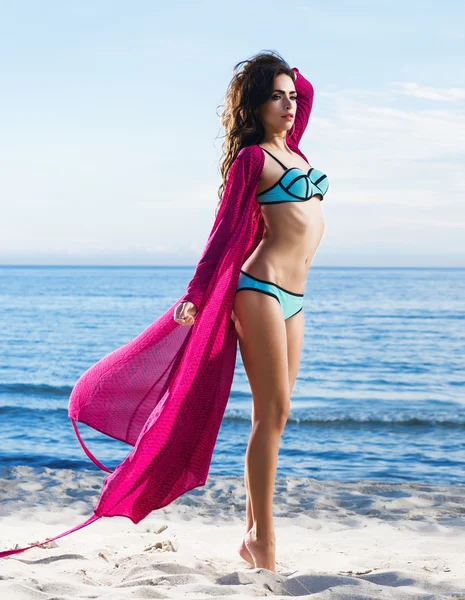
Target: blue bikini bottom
[(290, 302)]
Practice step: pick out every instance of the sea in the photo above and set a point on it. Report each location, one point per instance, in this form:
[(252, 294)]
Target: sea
[(380, 393)]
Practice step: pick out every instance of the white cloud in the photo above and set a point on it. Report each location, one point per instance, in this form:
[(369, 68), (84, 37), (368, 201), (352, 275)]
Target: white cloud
[(378, 153), (429, 92)]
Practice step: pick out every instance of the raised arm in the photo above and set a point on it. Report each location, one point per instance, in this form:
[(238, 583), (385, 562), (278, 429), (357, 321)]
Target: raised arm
[(304, 90), (235, 195)]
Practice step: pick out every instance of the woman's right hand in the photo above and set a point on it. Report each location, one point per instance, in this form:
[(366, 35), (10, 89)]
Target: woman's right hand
[(184, 313)]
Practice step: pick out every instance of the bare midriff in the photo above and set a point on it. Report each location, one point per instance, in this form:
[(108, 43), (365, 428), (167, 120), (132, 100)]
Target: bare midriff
[(293, 231)]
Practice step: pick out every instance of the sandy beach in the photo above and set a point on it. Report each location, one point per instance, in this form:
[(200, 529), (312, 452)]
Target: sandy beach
[(334, 540)]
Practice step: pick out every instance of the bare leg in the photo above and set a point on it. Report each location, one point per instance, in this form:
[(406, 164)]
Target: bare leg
[(249, 520), (262, 461), (249, 517), (262, 339), (243, 550)]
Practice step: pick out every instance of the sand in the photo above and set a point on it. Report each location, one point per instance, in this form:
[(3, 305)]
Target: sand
[(334, 540)]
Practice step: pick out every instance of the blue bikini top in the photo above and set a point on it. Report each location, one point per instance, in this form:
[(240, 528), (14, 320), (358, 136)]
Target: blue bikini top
[(294, 185)]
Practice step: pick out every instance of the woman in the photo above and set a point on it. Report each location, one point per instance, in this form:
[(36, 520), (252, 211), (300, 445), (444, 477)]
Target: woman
[(268, 105), (165, 391)]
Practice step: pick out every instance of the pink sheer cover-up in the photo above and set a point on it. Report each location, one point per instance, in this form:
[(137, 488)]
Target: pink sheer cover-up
[(165, 391)]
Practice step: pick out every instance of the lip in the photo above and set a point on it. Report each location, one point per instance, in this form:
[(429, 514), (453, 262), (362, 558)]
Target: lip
[(289, 116)]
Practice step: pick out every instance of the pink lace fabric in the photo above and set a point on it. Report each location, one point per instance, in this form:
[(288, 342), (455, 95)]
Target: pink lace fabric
[(165, 391)]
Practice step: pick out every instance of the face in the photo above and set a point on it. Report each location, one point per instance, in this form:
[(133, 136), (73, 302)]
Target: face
[(281, 102)]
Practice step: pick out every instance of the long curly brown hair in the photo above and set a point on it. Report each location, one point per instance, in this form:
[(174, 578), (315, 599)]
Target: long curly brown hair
[(250, 87)]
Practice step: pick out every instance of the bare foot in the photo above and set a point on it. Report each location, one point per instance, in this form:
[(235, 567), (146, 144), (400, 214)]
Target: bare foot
[(245, 554), (262, 551)]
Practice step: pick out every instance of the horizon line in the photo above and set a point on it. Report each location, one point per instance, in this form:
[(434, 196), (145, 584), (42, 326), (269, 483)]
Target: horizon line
[(54, 266)]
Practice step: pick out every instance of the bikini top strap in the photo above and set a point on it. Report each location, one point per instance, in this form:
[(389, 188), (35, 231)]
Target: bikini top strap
[(283, 166)]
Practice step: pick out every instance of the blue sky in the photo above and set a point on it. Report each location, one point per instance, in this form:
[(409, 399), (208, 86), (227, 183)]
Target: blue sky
[(111, 140)]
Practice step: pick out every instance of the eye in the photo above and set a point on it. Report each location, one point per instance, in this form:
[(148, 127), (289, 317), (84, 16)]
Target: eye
[(278, 96)]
